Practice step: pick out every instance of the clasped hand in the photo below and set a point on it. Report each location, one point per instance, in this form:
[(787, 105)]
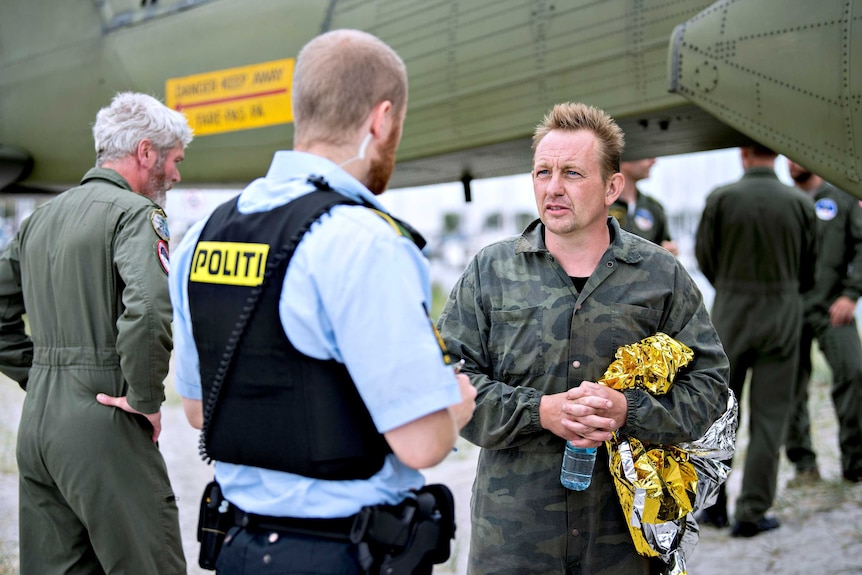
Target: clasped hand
[(586, 415)]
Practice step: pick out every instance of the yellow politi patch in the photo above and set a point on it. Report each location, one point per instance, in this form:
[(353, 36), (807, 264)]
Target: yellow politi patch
[(229, 263)]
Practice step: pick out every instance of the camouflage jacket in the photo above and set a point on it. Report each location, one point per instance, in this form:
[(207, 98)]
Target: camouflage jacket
[(524, 331)]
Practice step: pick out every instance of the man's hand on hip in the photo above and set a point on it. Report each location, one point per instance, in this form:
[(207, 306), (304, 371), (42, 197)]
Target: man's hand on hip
[(155, 419)]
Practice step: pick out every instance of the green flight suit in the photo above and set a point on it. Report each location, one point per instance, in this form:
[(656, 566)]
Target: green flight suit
[(524, 331), (87, 268), (756, 244), (839, 272)]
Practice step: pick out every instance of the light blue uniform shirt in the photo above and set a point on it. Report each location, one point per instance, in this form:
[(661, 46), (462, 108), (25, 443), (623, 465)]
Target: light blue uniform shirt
[(355, 292)]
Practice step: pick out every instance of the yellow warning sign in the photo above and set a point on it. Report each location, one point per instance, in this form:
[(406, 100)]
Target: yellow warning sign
[(234, 99)]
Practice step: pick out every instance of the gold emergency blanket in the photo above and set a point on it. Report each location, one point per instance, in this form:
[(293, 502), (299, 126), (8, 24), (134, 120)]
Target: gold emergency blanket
[(660, 486)]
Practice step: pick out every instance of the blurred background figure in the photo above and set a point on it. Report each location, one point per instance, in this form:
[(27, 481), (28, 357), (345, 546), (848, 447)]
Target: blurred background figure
[(756, 244), (638, 212), (829, 317)]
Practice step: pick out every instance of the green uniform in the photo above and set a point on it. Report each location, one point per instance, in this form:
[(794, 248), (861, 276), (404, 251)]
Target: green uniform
[(756, 244), (839, 273), (524, 330), (647, 219), (89, 270)]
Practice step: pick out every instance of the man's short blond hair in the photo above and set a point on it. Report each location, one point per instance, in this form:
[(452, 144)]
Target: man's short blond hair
[(338, 78), (577, 116)]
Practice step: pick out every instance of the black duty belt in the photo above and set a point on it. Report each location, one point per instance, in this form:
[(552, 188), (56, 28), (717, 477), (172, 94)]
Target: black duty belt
[(338, 528)]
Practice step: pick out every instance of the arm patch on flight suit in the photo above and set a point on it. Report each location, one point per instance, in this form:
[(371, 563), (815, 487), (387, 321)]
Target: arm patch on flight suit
[(644, 219), (160, 224), (163, 253), (826, 209)]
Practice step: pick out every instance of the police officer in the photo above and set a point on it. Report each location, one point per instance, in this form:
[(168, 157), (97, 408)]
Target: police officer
[(756, 244), (89, 268), (338, 389), (638, 212), (829, 317)]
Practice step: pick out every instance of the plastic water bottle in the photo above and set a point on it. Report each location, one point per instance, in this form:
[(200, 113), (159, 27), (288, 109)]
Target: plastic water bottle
[(578, 463)]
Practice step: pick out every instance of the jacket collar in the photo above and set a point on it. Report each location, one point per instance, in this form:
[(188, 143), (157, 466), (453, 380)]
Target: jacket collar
[(623, 245), (760, 172), (107, 175)]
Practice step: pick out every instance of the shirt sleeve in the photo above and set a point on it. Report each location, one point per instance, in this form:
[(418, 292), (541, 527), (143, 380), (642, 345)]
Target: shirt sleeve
[(853, 282), (16, 347), (144, 326), (187, 376), (808, 262), (357, 292), (506, 415), (699, 393), (704, 248)]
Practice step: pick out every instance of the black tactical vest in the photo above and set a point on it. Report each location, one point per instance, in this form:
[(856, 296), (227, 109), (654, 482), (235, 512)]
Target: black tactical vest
[(277, 408)]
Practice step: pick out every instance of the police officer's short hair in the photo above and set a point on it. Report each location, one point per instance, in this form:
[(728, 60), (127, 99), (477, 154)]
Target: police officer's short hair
[(338, 78)]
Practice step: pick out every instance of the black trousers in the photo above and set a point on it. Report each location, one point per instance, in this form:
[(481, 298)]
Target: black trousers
[(254, 552)]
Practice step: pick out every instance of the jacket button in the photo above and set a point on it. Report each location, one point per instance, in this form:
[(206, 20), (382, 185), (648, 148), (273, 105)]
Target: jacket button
[(575, 532), (576, 364)]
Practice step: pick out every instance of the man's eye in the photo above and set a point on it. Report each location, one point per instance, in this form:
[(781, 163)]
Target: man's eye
[(541, 172)]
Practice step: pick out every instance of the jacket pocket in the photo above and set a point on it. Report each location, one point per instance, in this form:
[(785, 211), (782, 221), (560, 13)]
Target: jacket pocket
[(515, 341)]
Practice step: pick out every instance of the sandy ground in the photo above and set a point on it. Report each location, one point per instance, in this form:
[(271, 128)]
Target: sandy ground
[(821, 528)]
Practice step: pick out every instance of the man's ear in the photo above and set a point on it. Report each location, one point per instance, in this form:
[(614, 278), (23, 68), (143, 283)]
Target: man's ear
[(614, 188), (146, 154), (380, 119)]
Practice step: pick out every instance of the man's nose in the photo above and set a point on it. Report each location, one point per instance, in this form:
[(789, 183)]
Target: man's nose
[(555, 185)]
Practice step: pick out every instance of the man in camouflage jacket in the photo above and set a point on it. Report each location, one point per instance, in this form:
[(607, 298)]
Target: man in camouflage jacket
[(537, 324)]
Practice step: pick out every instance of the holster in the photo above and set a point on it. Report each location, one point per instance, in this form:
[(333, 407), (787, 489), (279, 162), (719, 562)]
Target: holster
[(214, 520), (408, 538)]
